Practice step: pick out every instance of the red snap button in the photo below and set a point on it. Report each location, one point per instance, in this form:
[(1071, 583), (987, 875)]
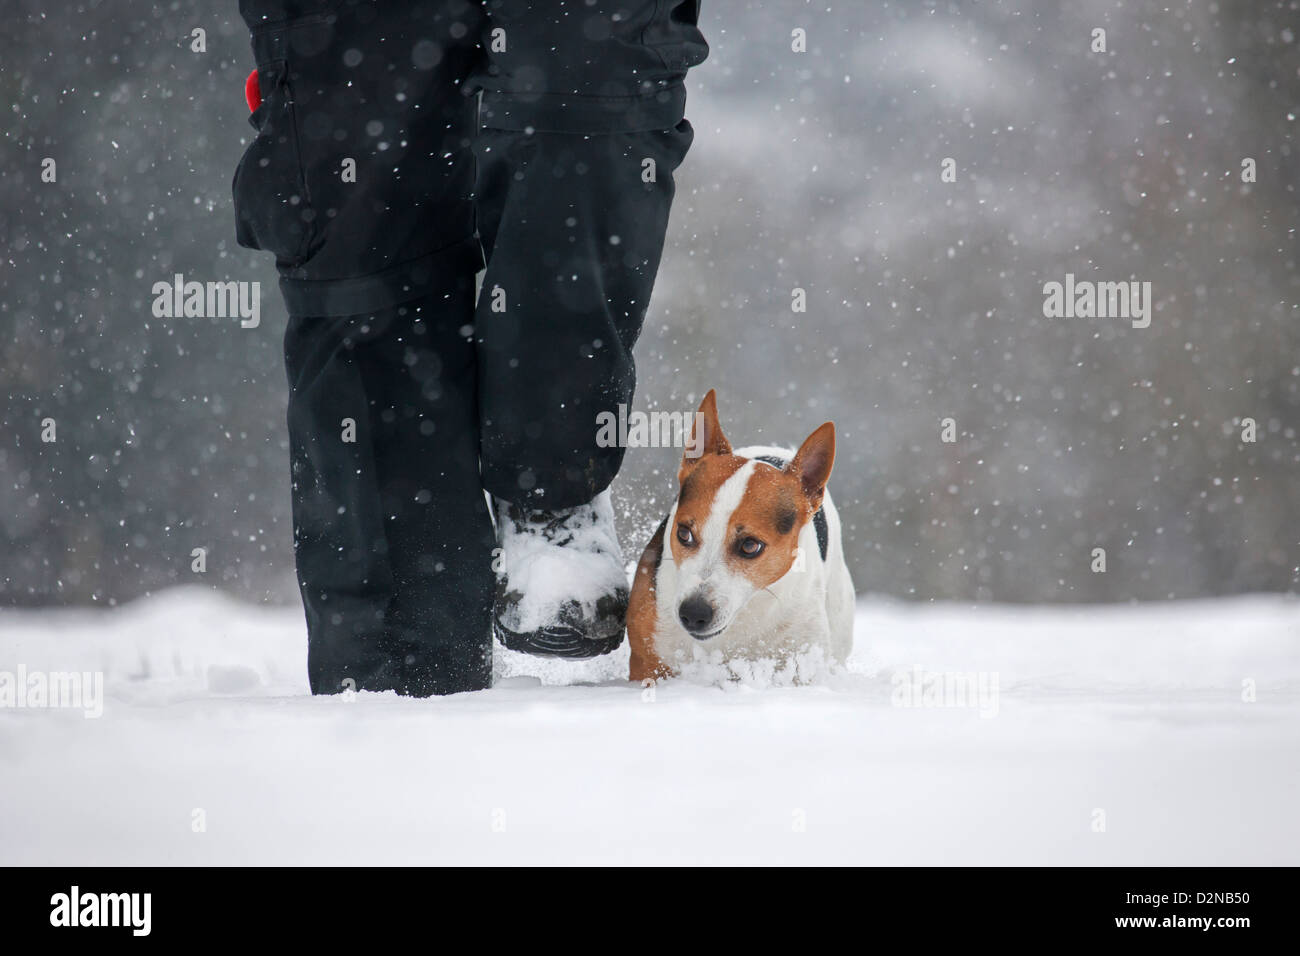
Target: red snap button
[(252, 92)]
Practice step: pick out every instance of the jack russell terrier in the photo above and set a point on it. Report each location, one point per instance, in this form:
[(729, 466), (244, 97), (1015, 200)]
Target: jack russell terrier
[(754, 566)]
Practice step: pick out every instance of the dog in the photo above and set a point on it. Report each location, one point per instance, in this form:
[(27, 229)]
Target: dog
[(749, 560)]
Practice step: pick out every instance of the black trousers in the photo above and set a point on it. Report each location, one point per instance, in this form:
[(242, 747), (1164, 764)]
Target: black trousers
[(402, 147)]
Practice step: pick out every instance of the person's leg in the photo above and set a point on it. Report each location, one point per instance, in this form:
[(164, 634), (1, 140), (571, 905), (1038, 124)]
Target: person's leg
[(360, 181), (437, 528), (344, 578), (392, 536), (581, 128)]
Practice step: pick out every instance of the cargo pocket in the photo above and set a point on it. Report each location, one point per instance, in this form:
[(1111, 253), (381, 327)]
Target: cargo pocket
[(674, 35), (272, 205)]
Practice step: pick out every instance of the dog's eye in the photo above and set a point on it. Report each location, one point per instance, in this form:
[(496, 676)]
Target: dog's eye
[(684, 534), (751, 547)]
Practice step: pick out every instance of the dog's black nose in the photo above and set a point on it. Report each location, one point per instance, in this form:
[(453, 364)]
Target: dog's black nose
[(696, 614)]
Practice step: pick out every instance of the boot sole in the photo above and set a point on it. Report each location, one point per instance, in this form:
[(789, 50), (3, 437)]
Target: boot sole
[(560, 642)]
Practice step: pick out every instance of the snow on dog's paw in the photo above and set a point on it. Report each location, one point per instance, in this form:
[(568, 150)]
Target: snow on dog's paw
[(810, 666)]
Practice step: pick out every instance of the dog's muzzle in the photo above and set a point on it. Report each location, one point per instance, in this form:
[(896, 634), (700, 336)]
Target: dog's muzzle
[(696, 615)]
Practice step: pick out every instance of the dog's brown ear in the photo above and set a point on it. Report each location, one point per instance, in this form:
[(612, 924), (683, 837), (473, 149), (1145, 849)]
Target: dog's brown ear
[(812, 463), (706, 436)]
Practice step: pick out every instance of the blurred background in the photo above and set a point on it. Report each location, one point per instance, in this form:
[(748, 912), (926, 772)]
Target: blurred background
[(816, 170)]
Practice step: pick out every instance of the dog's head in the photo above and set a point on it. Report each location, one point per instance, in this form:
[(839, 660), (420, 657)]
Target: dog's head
[(736, 526)]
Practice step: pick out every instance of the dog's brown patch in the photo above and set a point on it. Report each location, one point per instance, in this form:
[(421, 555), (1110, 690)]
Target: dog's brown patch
[(643, 617), (813, 462), (711, 442), (773, 511), (698, 494)]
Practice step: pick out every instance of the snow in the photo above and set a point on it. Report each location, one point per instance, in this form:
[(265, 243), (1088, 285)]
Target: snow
[(546, 576), (1136, 711)]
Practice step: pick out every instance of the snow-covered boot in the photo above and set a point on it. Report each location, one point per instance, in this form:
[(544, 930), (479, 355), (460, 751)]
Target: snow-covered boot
[(561, 588)]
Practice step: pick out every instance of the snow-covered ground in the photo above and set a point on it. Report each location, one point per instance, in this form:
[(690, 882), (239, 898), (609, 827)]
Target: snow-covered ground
[(1129, 718)]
